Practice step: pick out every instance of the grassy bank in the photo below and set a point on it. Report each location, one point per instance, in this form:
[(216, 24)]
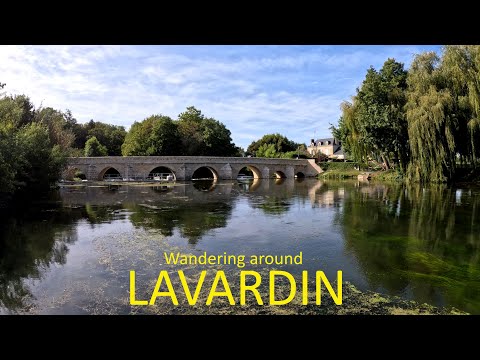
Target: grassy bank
[(339, 170), (345, 170), (389, 176)]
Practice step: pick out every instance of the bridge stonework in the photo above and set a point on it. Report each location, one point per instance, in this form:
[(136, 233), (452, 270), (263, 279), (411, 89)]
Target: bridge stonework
[(183, 167)]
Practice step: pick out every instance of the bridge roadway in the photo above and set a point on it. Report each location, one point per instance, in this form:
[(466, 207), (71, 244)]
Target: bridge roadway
[(184, 167)]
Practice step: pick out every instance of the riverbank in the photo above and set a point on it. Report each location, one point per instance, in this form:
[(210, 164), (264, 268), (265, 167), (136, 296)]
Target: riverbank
[(348, 171)]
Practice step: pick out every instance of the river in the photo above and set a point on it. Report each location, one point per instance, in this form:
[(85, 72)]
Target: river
[(72, 253)]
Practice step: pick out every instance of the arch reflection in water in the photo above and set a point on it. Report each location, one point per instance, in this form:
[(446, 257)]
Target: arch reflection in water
[(205, 185), (249, 186)]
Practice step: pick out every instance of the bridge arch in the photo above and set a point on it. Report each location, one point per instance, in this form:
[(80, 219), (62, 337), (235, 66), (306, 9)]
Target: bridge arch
[(162, 169), (109, 172), (299, 175), (257, 174), (280, 174), (205, 172), (73, 172)]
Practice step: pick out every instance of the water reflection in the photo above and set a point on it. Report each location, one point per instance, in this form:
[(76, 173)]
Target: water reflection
[(204, 185), (30, 243), (418, 242), (414, 241), (192, 222)]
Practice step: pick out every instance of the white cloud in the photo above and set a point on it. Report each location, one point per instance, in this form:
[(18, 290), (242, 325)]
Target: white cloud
[(252, 90)]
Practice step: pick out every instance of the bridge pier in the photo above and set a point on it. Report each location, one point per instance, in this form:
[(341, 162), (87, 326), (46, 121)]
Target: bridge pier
[(289, 172)]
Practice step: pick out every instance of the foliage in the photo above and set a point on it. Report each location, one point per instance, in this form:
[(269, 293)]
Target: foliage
[(8, 167), (204, 136), (375, 122), (267, 151), (431, 122), (389, 175), (192, 135), (111, 136), (461, 69), (339, 165), (59, 126), (156, 135), (427, 120), (34, 145), (93, 147), (275, 146), (339, 169)]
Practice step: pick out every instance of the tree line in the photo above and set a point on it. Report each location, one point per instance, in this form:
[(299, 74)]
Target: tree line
[(35, 143), (424, 121)]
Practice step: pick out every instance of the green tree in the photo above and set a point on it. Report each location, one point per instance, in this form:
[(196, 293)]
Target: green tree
[(192, 134), (156, 135), (204, 136), (81, 135), (30, 158), (16, 111), (349, 132), (39, 162), (375, 123), (112, 136), (268, 151), (8, 167), (273, 145), (217, 139), (58, 127), (461, 68), (190, 130), (432, 121), (93, 147)]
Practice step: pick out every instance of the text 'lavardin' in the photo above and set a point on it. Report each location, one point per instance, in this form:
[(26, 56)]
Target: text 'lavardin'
[(213, 291)]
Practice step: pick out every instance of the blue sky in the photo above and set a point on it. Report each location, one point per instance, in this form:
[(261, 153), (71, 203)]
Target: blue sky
[(253, 90)]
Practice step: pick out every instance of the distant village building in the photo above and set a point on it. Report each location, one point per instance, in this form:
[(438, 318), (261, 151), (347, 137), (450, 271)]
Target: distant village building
[(330, 147)]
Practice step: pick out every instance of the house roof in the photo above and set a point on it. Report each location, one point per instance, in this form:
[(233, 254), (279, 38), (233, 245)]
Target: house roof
[(332, 140), (339, 152)]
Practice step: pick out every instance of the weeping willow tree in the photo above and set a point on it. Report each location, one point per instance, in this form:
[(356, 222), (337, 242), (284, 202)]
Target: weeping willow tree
[(349, 132), (461, 66), (432, 122), (426, 120)]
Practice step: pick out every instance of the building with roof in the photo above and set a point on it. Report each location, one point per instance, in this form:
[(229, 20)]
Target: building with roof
[(330, 147)]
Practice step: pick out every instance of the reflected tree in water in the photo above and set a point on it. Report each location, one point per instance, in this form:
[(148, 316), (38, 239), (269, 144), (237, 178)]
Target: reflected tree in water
[(29, 245), (417, 240), (193, 222)]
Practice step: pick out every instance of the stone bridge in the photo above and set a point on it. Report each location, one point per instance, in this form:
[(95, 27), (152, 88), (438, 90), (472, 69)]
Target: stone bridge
[(188, 167)]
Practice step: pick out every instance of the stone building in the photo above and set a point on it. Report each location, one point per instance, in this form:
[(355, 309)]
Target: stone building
[(330, 147)]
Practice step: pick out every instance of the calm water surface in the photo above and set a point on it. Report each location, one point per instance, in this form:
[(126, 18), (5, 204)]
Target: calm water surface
[(72, 254)]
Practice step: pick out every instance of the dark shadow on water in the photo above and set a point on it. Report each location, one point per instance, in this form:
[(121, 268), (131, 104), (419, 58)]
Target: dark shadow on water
[(30, 243), (204, 185)]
